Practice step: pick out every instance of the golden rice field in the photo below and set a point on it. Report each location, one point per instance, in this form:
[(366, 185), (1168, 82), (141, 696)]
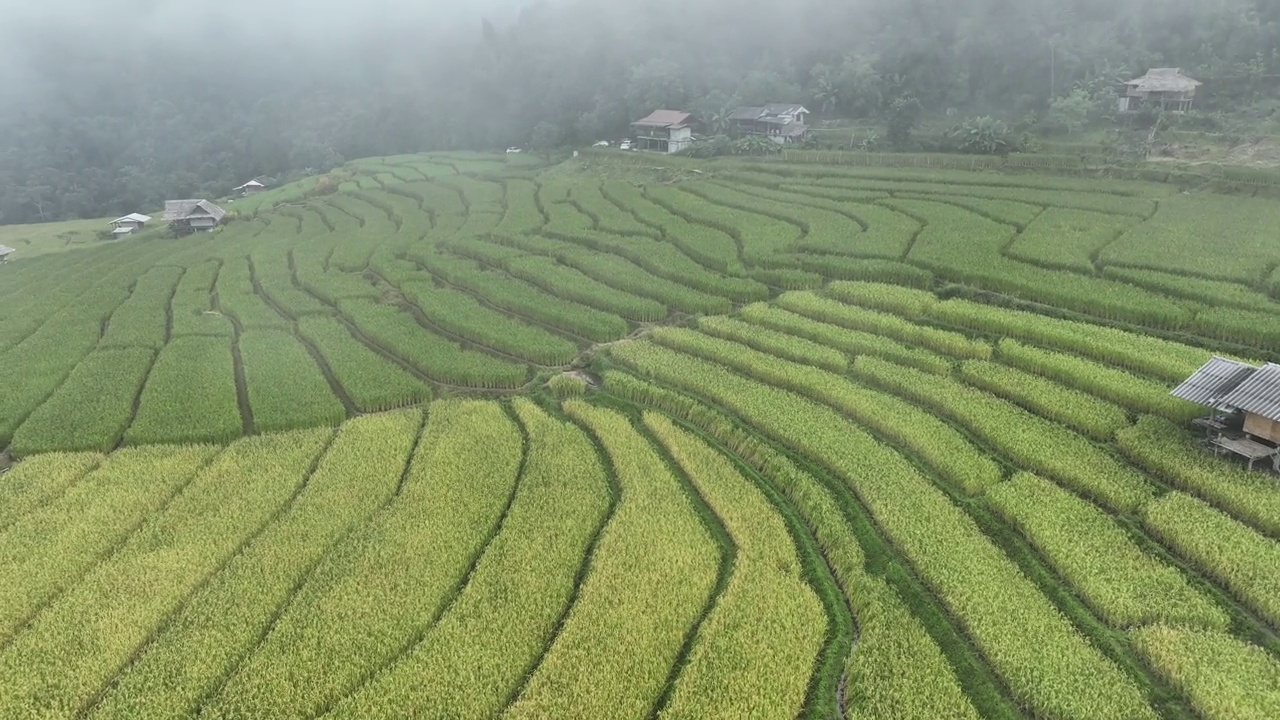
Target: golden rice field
[(474, 438)]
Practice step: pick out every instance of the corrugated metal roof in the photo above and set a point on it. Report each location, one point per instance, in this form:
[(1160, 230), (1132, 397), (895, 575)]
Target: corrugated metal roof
[(778, 112), (134, 217), (784, 109), (746, 113), (665, 118), (5, 250), (1259, 393), (1213, 381)]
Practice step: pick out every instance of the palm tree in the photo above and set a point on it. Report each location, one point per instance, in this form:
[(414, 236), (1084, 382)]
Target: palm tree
[(826, 89)]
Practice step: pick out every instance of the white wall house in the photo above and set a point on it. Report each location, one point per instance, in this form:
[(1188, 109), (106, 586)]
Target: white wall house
[(668, 131)]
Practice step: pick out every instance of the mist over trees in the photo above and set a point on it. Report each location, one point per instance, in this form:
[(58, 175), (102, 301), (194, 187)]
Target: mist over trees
[(110, 107)]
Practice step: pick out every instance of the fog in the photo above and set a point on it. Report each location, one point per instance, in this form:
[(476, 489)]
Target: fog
[(109, 106), (265, 20)]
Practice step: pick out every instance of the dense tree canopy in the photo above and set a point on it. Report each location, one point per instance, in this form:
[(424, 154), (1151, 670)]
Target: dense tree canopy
[(192, 103)]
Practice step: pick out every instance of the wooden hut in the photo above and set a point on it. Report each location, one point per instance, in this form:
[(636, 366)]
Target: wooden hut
[(1245, 404), (190, 215), (780, 122), (1166, 88), (129, 224)]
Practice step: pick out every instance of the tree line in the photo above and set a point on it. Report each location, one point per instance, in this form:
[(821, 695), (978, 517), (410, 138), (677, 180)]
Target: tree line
[(89, 129)]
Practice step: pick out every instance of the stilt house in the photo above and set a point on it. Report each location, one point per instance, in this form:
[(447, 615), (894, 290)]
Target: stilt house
[(1166, 88)]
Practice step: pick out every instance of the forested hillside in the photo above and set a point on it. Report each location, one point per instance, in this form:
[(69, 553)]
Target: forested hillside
[(112, 107)]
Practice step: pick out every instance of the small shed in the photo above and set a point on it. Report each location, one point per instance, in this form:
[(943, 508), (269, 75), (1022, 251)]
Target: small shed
[(668, 131), (5, 252), (255, 186), (186, 216), (129, 224), (1166, 88), (1245, 400)]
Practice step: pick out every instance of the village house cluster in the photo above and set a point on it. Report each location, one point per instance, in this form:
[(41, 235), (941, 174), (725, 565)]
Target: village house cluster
[(181, 216), (670, 131)]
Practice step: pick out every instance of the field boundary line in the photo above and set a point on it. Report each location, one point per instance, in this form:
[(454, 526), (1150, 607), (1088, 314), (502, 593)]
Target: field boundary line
[(308, 573), (719, 533), (1259, 630), (817, 574), (664, 237), (943, 628), (585, 566), (166, 622), (430, 326), (450, 598), (237, 362), (562, 332)]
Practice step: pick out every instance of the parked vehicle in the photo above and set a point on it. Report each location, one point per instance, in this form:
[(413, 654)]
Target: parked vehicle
[(624, 145), (601, 143), (514, 150)]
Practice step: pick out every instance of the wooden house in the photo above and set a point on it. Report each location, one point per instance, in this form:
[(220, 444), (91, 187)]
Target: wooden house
[(779, 122), (129, 224), (667, 131), (1245, 404), (5, 252), (1166, 88), (191, 215)]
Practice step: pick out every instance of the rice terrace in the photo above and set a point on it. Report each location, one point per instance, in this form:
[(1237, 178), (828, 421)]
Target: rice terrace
[(468, 436)]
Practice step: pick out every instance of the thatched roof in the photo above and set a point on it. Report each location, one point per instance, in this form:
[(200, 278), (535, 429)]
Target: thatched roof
[(177, 210), (1164, 80), (665, 119)]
